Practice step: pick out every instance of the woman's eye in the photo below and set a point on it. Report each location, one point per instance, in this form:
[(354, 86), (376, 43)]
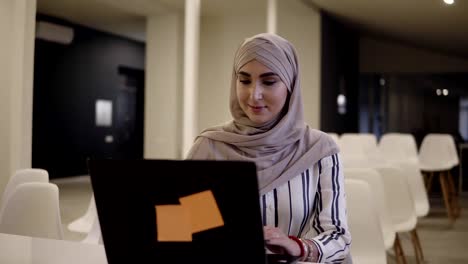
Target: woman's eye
[(269, 83), (245, 81)]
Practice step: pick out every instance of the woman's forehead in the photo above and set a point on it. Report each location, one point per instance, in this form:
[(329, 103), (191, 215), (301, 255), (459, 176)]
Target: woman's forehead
[(254, 66)]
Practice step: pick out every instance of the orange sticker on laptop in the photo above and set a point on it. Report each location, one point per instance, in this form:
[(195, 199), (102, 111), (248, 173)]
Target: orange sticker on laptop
[(173, 223), (203, 210)]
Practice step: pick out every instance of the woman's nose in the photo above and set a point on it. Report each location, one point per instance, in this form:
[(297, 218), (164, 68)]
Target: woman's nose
[(257, 92)]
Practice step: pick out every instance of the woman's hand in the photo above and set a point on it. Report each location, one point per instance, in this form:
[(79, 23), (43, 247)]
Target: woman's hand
[(279, 242)]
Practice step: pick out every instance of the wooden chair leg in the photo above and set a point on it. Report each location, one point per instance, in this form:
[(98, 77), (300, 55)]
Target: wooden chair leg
[(424, 175), (399, 254), (454, 195), (417, 246), (445, 192), (429, 182)]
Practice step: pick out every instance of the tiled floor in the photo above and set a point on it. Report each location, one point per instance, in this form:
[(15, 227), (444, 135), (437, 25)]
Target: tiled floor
[(442, 242)]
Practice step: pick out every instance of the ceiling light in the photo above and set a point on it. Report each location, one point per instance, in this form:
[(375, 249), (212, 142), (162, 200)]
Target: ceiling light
[(382, 81), (438, 92), (445, 92), (449, 2), (341, 100)]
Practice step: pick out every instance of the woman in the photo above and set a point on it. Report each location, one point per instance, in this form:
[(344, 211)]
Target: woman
[(299, 174)]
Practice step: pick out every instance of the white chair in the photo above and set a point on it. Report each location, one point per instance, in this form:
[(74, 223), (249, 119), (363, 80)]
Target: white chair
[(400, 149), (401, 205), (351, 146), (364, 224), (84, 223), (375, 181), (416, 184), (23, 176), (32, 209), (360, 148), (438, 154), (94, 236)]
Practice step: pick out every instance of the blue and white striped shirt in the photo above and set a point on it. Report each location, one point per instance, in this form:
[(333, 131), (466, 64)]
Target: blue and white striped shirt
[(312, 205)]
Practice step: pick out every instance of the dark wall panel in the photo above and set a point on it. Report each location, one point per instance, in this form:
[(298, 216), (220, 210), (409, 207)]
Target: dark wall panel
[(340, 74), (68, 79)]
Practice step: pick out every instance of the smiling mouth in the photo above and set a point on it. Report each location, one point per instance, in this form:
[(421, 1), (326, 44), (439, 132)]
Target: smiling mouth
[(257, 109)]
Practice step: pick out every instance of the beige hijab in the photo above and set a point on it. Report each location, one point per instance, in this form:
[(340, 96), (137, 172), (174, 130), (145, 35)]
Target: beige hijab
[(282, 148)]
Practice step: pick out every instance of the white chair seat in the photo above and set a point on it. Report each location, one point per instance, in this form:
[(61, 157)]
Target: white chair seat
[(436, 167), (85, 223), (404, 225), (94, 236), (389, 236)]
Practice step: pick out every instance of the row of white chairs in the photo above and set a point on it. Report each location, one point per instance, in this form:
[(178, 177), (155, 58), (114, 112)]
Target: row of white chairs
[(436, 156), (397, 189)]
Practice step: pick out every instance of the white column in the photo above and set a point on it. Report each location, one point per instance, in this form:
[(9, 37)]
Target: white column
[(17, 28), (162, 87), (191, 52), (292, 16), (271, 16)]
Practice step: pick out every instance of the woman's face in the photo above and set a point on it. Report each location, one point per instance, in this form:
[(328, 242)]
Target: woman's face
[(260, 92)]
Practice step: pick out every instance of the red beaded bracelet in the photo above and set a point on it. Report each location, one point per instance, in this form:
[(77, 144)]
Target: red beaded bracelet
[(301, 245)]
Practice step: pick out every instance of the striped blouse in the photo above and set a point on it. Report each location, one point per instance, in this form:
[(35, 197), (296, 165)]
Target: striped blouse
[(312, 205)]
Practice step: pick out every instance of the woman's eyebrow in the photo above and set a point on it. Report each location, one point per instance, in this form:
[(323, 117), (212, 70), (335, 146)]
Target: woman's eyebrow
[(244, 74), (266, 74)]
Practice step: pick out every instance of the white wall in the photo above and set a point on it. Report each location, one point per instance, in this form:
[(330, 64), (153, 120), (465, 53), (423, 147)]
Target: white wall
[(163, 81), (383, 56), (17, 28), (301, 25), (219, 39), (5, 83)]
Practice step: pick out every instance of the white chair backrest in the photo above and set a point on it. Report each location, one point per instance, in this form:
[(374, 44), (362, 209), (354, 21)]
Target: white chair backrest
[(367, 141), (375, 181), (364, 224), (351, 147), (399, 199), (416, 184), (32, 209), (23, 176), (360, 150), (438, 152), (399, 147)]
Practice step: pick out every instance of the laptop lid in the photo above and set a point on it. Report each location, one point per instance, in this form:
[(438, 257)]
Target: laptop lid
[(132, 197)]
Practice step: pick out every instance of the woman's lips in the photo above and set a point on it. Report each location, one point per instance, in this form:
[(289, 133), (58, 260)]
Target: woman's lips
[(257, 109)]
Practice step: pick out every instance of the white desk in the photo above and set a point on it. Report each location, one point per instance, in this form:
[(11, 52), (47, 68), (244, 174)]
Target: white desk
[(30, 250)]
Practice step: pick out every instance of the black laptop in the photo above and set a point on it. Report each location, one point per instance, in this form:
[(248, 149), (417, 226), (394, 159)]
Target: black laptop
[(128, 191)]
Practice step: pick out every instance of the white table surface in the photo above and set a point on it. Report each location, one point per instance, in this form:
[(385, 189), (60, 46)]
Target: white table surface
[(16, 249), (30, 250)]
